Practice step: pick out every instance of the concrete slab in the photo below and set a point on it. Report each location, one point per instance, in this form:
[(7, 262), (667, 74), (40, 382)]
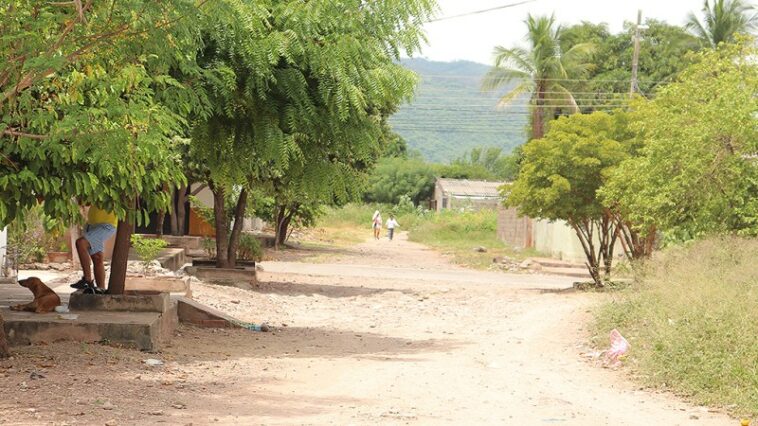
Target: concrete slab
[(236, 277), (192, 312), (140, 330), (134, 302)]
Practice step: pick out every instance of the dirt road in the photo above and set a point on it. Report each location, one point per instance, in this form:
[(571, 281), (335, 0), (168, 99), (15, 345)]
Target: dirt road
[(383, 333)]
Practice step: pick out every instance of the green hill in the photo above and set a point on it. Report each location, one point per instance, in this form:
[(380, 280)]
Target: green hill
[(450, 115)]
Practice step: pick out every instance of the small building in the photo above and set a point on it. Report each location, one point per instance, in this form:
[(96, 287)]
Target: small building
[(464, 193)]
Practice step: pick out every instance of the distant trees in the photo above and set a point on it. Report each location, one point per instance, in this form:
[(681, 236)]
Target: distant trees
[(722, 21), (500, 166), (541, 71), (663, 55)]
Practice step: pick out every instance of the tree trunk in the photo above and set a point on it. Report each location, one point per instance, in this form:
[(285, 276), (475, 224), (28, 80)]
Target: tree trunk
[(222, 233), (117, 281), (4, 352), (174, 222), (538, 126), (281, 210), (181, 211), (283, 229), (159, 224), (239, 222), (584, 232)]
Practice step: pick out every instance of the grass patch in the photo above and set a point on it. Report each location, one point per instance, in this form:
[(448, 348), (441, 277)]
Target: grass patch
[(452, 232), (458, 233), (692, 321)]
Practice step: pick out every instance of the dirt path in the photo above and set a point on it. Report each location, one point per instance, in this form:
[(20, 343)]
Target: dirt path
[(386, 333)]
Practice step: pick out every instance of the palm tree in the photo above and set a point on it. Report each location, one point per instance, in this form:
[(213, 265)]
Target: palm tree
[(722, 21), (540, 71)]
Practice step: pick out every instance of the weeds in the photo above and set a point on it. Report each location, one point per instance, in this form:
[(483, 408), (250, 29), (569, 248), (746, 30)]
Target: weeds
[(692, 321)]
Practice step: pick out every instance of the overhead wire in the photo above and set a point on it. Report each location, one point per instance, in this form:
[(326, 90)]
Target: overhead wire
[(478, 12)]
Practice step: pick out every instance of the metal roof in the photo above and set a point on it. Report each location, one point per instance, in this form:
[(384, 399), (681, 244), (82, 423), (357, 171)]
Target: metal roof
[(470, 188)]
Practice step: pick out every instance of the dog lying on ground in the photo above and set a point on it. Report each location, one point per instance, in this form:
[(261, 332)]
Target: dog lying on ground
[(45, 299)]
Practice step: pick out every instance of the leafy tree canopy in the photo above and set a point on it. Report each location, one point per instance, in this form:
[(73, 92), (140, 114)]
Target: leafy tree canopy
[(698, 171), (87, 102)]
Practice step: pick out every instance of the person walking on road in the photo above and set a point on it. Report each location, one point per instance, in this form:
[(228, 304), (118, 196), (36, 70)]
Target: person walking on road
[(377, 224), (391, 225)]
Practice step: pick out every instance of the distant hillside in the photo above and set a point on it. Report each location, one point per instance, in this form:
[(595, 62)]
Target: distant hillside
[(450, 115)]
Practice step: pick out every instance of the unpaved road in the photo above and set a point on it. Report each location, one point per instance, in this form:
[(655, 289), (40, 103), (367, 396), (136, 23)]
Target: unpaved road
[(384, 333)]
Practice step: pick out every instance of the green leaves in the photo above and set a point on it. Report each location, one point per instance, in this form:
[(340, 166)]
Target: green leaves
[(697, 173), (561, 173)]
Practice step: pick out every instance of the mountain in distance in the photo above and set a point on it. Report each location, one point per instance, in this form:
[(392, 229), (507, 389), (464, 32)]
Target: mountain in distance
[(450, 115)]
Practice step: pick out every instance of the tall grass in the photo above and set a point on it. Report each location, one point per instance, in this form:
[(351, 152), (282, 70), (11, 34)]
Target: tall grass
[(692, 321)]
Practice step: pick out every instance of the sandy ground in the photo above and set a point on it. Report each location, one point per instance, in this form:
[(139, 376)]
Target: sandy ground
[(385, 333)]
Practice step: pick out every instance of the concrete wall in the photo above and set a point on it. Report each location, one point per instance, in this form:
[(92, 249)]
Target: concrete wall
[(438, 195), (555, 239), (512, 228), (558, 240)]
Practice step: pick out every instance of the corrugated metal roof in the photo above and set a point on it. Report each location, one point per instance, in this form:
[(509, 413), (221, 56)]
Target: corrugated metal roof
[(470, 188)]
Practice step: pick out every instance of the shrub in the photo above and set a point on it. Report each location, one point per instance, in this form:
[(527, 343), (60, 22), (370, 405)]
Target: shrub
[(249, 248), (692, 321), (147, 249), (209, 245)]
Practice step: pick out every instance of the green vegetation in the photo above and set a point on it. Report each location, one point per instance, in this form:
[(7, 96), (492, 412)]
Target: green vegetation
[(147, 249), (250, 248), (692, 322), (561, 174), (451, 232), (697, 172), (541, 71), (723, 21)]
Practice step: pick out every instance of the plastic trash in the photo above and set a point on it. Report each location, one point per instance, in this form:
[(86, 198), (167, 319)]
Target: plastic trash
[(61, 309), (619, 347), (152, 362)]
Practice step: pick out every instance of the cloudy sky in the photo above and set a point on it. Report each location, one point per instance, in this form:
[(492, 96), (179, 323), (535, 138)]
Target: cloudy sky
[(473, 37)]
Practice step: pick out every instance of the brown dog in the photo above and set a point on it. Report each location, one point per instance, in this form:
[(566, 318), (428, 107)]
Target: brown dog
[(45, 299)]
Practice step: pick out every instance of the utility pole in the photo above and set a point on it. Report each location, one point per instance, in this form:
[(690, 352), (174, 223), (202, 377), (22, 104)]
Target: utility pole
[(636, 58)]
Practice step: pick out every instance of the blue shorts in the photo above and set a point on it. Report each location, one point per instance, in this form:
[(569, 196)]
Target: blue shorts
[(97, 235)]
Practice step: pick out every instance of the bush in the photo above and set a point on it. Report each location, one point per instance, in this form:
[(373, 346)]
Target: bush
[(147, 249), (209, 245), (249, 248), (692, 321)]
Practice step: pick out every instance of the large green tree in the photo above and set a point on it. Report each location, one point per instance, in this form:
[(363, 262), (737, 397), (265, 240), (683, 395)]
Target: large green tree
[(722, 20), (88, 107), (560, 176), (698, 171), (299, 78), (541, 71)]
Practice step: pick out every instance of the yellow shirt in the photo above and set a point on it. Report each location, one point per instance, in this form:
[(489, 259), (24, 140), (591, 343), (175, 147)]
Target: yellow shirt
[(97, 215)]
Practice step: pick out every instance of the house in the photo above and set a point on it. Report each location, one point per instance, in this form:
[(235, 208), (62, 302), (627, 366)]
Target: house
[(461, 193)]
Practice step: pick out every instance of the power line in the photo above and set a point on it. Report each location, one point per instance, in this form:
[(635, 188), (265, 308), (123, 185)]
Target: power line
[(477, 12)]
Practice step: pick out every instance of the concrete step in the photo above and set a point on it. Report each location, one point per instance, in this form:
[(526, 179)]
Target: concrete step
[(557, 263), (141, 330), (566, 272)]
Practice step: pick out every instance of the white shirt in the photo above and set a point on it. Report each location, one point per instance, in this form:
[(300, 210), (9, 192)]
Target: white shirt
[(392, 223)]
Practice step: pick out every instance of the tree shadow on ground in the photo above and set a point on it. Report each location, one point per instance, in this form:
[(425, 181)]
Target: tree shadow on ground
[(326, 290), (196, 344), (294, 253)]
